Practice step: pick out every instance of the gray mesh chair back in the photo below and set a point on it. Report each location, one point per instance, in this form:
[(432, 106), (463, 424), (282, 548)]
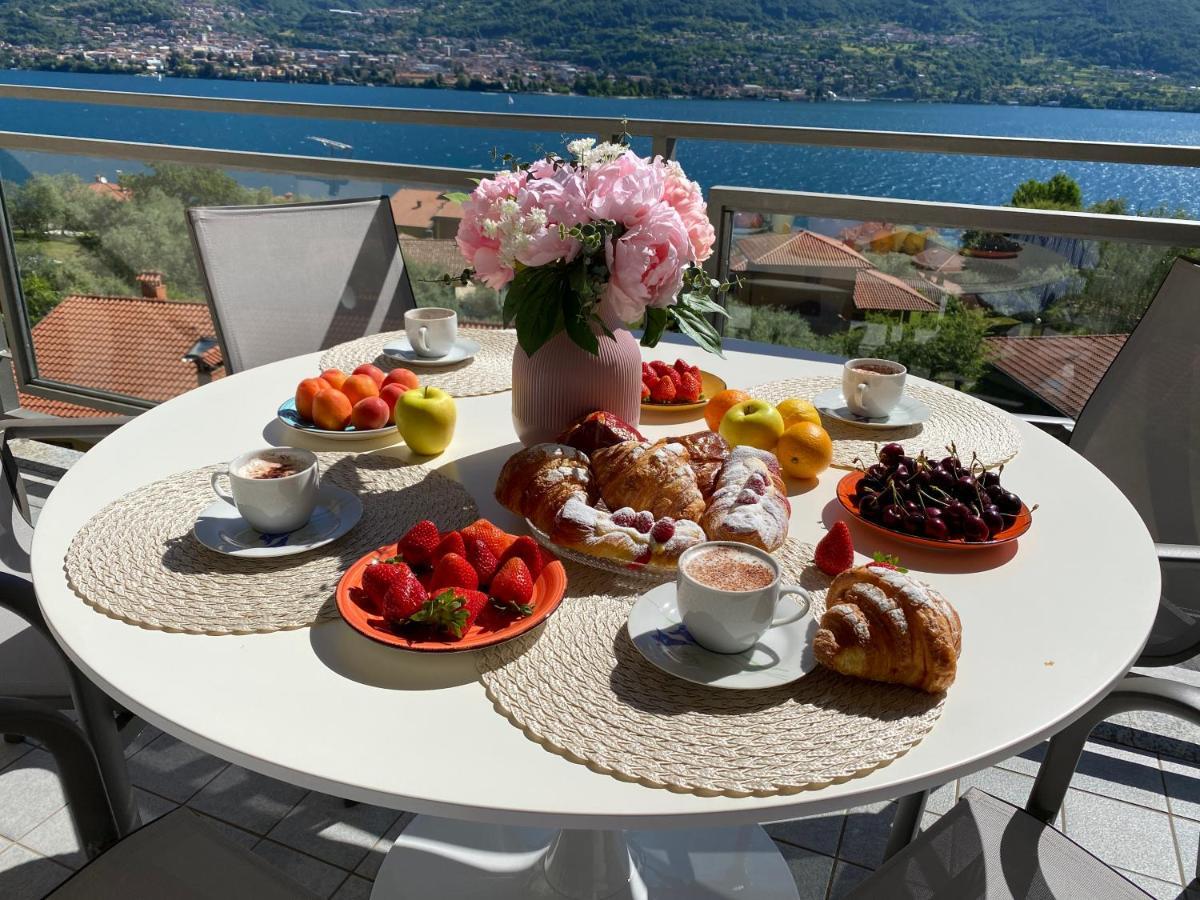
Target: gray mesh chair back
[(1141, 428), (289, 279)]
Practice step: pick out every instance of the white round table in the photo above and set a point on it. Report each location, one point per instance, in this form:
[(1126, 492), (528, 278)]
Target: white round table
[(1047, 629)]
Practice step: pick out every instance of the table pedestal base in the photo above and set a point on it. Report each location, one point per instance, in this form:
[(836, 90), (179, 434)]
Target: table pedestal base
[(446, 858)]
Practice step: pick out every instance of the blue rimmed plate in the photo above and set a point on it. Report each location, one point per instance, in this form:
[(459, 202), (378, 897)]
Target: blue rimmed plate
[(291, 418)]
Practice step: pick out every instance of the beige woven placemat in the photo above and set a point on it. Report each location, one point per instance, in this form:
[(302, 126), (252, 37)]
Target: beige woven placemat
[(580, 688), (973, 426), (138, 560), (488, 372)]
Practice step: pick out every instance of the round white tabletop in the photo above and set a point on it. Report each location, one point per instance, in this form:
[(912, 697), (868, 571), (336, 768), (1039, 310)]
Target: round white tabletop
[(1048, 627)]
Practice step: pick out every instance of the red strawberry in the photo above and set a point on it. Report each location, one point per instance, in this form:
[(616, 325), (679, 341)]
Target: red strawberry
[(404, 601), (645, 391), (529, 552), (682, 368), (646, 371), (453, 571), (482, 560), (513, 586), (377, 578), (660, 368), (663, 391), (676, 379), (835, 552), (419, 542), (689, 391), (496, 539), (454, 610), (451, 542)]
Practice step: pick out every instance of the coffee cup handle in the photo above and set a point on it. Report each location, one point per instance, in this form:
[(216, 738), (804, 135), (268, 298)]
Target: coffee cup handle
[(422, 342), (228, 498), (795, 615), (860, 392)]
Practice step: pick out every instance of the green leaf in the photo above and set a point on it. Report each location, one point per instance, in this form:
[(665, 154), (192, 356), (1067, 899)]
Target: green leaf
[(656, 324), (702, 304), (698, 328), (456, 196), (540, 315), (577, 324)]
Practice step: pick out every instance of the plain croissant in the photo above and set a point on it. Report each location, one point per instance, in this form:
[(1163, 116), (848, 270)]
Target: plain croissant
[(881, 625)]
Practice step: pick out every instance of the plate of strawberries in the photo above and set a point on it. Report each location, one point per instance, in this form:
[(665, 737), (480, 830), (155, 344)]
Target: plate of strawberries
[(446, 591), (677, 387)]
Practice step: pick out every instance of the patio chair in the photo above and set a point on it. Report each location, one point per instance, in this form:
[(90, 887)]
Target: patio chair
[(287, 279), (985, 848), (32, 666), (175, 856)]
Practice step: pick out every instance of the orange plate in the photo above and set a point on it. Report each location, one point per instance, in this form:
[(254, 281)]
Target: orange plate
[(547, 595), (710, 386), (845, 493)]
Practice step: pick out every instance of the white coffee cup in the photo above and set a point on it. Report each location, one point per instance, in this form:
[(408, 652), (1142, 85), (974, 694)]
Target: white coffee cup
[(732, 621), (872, 387), (431, 330), (272, 504)]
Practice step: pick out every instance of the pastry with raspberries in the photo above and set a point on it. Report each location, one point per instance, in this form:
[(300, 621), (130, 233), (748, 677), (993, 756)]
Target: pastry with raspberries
[(664, 384)]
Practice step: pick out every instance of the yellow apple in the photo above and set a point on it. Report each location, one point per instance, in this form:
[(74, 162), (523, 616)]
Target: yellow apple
[(753, 422), (426, 417)]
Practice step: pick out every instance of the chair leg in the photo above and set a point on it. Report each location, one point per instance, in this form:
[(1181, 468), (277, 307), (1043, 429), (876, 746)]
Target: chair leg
[(97, 719), (907, 823)]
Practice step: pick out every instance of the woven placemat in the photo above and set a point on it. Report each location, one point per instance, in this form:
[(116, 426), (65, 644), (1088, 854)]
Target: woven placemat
[(973, 426), (580, 688), (138, 560), (488, 372)]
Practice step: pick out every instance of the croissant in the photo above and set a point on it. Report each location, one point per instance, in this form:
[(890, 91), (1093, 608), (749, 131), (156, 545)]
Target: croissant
[(654, 477), (881, 625), (536, 482), (707, 452), (749, 504)]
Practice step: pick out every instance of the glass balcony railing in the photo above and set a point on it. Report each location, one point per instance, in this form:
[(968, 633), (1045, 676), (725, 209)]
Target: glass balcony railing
[(104, 307)]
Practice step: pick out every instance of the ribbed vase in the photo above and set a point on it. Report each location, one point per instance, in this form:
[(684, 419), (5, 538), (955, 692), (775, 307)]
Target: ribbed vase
[(562, 382)]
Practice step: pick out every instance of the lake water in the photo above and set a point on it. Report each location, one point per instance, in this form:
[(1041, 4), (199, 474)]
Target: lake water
[(965, 179)]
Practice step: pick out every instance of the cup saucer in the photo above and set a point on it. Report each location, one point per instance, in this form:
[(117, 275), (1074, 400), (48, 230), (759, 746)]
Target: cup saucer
[(219, 527), (782, 655), (402, 351), (909, 411)]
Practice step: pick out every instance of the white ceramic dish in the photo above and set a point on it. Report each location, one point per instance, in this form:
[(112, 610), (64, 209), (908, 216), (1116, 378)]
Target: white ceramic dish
[(782, 655), (909, 411), (401, 351), (219, 527)]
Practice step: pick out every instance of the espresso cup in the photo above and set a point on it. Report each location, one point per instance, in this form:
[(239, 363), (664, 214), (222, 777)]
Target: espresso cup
[(273, 504), (431, 330), (872, 387), (726, 620)]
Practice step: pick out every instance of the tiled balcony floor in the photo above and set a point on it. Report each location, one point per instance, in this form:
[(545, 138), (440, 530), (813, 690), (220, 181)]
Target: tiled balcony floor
[(1138, 811)]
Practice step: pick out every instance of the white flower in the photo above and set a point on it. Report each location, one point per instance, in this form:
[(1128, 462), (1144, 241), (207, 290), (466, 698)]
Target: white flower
[(588, 153)]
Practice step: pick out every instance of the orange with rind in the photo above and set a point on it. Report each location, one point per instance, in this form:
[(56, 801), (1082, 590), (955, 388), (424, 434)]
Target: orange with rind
[(804, 450), (720, 404)]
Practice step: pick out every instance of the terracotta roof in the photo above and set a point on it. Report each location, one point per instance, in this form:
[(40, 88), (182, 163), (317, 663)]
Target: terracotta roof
[(110, 189), (877, 290), (59, 407), (417, 208), (802, 249), (441, 255), (129, 345), (1062, 369)]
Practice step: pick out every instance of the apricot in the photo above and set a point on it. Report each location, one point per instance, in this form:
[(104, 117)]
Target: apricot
[(375, 372), (357, 387), (370, 412), (391, 393), (306, 391), (335, 377), (406, 377), (331, 410)]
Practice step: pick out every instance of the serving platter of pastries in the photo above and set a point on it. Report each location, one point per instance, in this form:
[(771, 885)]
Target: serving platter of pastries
[(613, 497)]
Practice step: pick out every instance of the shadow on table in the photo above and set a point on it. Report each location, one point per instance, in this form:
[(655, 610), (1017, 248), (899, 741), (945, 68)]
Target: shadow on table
[(277, 434), (693, 418), (868, 542), (479, 472), (360, 659)]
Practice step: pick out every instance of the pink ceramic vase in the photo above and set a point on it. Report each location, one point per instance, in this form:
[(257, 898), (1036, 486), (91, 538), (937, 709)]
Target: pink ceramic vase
[(562, 382)]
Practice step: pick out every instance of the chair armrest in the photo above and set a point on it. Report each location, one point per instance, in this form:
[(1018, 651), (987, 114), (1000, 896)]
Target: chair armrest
[(49, 428), (1189, 553), (17, 595), (1056, 426)]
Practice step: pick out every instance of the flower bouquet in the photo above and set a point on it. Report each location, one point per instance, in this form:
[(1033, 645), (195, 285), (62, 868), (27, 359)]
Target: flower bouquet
[(604, 239)]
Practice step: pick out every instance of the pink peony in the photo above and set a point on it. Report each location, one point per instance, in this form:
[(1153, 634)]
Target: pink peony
[(625, 190), (561, 198), (478, 241), (646, 264), (685, 196)]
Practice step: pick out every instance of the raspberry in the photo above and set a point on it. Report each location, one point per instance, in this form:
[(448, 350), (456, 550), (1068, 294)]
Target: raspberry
[(747, 497), (644, 521), (663, 530), (624, 517), (757, 482)]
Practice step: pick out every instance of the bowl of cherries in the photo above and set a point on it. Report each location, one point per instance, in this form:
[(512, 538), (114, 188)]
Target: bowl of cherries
[(934, 503)]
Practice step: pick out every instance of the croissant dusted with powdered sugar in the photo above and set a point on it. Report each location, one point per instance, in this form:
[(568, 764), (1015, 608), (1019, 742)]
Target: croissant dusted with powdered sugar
[(750, 503), (882, 625), (654, 477), (536, 482)]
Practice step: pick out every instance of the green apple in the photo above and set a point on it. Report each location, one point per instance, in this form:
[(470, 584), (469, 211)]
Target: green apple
[(426, 417), (753, 422)]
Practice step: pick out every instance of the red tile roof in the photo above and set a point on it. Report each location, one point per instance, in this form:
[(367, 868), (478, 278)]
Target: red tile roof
[(803, 249), (877, 290), (111, 189), (1062, 369), (129, 345), (417, 208), (441, 255)]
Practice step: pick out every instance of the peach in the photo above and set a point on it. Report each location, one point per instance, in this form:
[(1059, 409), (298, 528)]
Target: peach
[(306, 391), (370, 412), (331, 410), (406, 377), (375, 372), (335, 377), (391, 393), (356, 387)]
